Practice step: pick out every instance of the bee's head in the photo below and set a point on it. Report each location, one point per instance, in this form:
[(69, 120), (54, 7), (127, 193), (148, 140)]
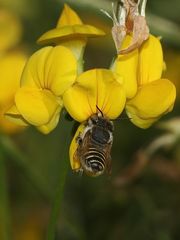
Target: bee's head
[(101, 129), (101, 122)]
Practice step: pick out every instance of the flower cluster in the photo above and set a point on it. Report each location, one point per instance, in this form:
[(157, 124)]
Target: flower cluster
[(50, 72), (148, 95), (53, 78)]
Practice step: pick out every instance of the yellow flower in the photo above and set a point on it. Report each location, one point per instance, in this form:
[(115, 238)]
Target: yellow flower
[(94, 89), (70, 32), (154, 96), (48, 73), (11, 66)]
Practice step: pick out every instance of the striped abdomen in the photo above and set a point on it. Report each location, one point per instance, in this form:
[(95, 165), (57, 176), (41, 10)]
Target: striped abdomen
[(94, 160)]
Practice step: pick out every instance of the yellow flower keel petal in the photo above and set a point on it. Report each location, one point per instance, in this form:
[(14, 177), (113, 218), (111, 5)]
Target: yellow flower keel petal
[(140, 122), (47, 128), (74, 161), (35, 105), (14, 116), (151, 102)]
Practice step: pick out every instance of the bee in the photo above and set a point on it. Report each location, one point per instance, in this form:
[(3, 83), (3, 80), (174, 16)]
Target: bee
[(94, 145)]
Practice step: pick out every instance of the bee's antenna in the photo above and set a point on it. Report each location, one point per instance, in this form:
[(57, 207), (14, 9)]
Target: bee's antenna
[(99, 110)]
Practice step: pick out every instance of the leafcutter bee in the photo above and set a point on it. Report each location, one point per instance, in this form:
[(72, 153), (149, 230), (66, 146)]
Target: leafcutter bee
[(94, 145)]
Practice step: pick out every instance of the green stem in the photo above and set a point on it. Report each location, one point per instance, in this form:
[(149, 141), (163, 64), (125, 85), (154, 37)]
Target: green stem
[(61, 183), (23, 163), (4, 202)]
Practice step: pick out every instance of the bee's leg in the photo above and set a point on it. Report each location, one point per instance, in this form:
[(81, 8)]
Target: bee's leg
[(79, 171)]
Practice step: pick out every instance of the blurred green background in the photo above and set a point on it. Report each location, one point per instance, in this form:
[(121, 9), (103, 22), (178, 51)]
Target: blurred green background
[(141, 199)]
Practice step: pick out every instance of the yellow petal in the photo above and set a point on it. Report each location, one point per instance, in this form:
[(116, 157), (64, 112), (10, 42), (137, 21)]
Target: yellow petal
[(53, 68), (10, 30), (47, 128), (36, 106), (65, 33), (14, 116), (126, 66), (97, 87), (68, 17), (8, 127), (74, 161), (151, 102), (139, 122), (151, 62)]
